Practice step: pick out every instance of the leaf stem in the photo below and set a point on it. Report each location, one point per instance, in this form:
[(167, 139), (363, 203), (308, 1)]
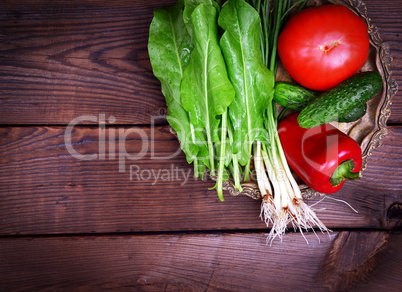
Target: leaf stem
[(211, 153), (235, 161), (285, 14), (195, 161), (277, 21), (221, 164), (281, 115)]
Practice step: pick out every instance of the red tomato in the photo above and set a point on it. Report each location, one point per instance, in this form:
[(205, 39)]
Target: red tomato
[(322, 46)]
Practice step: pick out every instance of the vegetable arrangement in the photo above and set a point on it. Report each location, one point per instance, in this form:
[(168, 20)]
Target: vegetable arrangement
[(217, 66)]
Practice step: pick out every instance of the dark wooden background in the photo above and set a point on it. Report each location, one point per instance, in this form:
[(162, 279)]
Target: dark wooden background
[(69, 224)]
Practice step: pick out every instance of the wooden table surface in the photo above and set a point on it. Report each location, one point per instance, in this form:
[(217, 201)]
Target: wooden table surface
[(101, 220)]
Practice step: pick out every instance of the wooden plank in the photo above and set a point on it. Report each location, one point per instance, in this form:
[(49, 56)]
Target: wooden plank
[(388, 22), (44, 189), (200, 262), (388, 265), (62, 60), (67, 59)]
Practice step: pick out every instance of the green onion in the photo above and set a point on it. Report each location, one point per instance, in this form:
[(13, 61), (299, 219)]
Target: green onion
[(282, 202)]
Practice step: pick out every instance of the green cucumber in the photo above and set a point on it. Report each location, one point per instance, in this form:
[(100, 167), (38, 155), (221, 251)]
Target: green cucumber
[(293, 96), (354, 115), (296, 97), (343, 98)]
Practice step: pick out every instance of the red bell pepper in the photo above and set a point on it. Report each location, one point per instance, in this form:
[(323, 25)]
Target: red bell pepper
[(323, 157)]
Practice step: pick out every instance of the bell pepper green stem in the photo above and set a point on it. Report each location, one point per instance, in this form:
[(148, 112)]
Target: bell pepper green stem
[(343, 172)]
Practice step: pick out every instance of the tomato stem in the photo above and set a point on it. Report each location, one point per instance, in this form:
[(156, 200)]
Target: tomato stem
[(329, 46)]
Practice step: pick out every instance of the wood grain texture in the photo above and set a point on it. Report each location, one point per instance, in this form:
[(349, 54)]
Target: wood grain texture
[(193, 262), (44, 189), (386, 16), (350, 259), (65, 59), (387, 267), (68, 224), (205, 262)]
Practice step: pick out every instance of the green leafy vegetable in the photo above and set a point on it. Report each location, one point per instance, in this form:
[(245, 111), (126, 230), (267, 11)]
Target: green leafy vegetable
[(206, 90), (189, 7), (169, 48), (220, 97), (252, 80)]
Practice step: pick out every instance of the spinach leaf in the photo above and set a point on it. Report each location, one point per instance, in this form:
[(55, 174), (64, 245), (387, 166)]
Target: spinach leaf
[(253, 82), (206, 91), (190, 5), (169, 48)]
